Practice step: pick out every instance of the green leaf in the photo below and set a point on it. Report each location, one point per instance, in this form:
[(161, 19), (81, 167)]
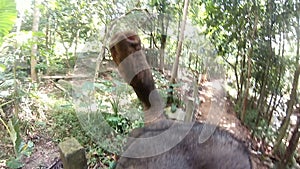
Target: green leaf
[(26, 149), (15, 137), (8, 83), (113, 119), (13, 134), (14, 163), (8, 15), (2, 67), (112, 164), (173, 108)]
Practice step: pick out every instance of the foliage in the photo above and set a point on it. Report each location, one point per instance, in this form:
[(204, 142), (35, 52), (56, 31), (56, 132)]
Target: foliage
[(256, 37), (19, 118), (250, 118), (66, 122), (8, 14), (118, 123), (20, 147), (17, 102), (161, 83), (121, 110)]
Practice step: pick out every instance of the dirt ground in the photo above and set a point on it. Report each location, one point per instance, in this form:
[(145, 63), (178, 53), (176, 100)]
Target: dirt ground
[(45, 155), (227, 119)]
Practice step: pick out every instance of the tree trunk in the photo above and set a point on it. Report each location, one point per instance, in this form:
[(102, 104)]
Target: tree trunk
[(242, 80), (48, 41), (237, 77), (179, 45), (163, 43), (76, 44), (178, 52), (249, 65), (162, 52), (280, 71), (290, 105), (34, 49), (293, 94), (263, 92), (293, 143)]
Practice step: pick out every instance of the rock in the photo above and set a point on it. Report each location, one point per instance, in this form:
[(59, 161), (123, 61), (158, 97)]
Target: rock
[(72, 154)]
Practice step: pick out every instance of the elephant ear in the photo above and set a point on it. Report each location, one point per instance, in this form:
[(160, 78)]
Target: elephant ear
[(8, 15)]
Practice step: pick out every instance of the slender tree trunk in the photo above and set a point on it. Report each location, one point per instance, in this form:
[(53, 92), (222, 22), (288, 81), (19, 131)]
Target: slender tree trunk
[(162, 52), (242, 79), (178, 52), (285, 124), (179, 45), (270, 103), (34, 48), (66, 47), (101, 55), (263, 93), (164, 29), (48, 41), (76, 44), (198, 65), (16, 85), (237, 77), (293, 94), (293, 143), (249, 67), (280, 71)]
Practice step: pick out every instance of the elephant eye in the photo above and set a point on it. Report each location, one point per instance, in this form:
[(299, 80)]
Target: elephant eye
[(131, 38)]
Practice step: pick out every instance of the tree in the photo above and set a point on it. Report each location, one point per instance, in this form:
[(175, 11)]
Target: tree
[(34, 48), (179, 45), (293, 94), (163, 36), (163, 21), (290, 105), (293, 143), (178, 52), (249, 62)]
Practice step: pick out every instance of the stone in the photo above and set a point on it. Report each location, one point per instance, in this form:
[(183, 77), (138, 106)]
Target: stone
[(72, 154)]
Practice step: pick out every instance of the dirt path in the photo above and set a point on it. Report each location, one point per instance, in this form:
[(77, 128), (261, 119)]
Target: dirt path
[(45, 154), (210, 92)]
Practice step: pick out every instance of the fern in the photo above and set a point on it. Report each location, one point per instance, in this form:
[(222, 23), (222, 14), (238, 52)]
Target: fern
[(8, 15)]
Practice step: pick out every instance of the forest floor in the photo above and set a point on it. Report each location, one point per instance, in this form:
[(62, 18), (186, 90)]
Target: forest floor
[(228, 119), (46, 152), (45, 155)]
